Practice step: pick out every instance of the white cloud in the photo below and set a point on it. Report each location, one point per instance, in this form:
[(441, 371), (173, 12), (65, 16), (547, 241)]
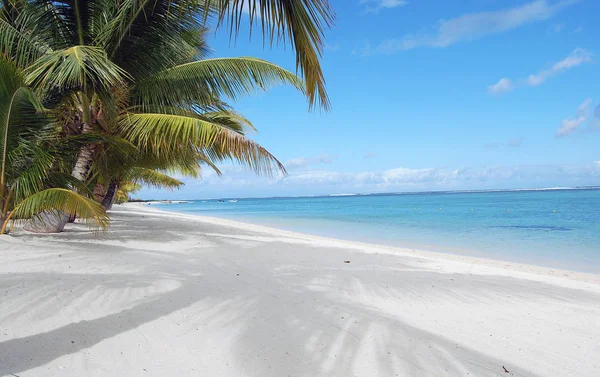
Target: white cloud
[(577, 57), (570, 125), (302, 162), (503, 85), (377, 5), (595, 124), (407, 179), (583, 108), (239, 183), (473, 26), (378, 179)]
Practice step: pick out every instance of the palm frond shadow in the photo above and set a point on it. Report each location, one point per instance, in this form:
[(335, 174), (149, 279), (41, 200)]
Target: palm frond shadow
[(295, 323)]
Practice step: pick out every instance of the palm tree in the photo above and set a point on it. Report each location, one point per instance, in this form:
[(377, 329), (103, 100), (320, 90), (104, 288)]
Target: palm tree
[(134, 181), (115, 171), (136, 70), (27, 164), (170, 143), (123, 194)]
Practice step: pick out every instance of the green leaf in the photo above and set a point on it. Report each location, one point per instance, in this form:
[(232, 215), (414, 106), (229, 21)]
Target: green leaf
[(153, 178), (31, 177), (20, 46), (62, 200), (78, 68), (199, 82), (145, 37), (167, 132), (21, 117), (302, 22)]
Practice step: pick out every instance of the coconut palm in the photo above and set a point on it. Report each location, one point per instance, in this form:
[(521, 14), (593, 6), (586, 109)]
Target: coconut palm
[(137, 70), (112, 175), (31, 185), (123, 194), (176, 149)]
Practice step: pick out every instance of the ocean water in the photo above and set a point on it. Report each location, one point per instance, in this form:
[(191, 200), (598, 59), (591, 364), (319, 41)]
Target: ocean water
[(551, 227)]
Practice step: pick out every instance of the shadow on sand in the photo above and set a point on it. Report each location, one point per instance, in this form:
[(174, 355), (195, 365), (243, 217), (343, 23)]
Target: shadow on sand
[(293, 319)]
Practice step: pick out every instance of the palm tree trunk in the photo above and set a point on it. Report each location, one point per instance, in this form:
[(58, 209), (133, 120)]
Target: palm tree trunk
[(47, 222), (2, 199), (55, 221), (111, 193), (99, 191), (82, 166), (5, 197), (83, 162), (2, 214)]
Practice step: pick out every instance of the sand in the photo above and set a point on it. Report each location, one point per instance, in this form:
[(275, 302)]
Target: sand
[(173, 295)]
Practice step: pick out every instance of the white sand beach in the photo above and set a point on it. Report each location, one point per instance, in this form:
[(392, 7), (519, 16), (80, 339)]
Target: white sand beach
[(174, 295)]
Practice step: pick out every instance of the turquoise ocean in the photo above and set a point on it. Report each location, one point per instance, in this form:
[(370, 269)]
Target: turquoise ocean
[(557, 228)]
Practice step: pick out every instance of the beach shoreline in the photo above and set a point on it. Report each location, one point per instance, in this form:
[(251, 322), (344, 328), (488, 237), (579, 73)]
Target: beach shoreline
[(480, 263), (164, 294), (557, 229)]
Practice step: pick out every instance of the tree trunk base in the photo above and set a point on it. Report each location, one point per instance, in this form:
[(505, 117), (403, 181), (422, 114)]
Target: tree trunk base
[(47, 222), (111, 193)]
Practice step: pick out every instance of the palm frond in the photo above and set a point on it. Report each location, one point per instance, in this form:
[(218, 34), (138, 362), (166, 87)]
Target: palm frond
[(53, 20), (77, 67), (303, 22), (163, 132), (153, 178), (145, 37), (61, 179), (74, 142), (30, 165), (21, 116), (61, 200), (18, 45), (204, 160), (123, 18), (230, 119), (167, 132), (233, 146), (185, 160), (200, 81), (224, 117), (122, 194)]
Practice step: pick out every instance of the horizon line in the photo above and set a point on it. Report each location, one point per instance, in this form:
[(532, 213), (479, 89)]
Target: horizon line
[(341, 195)]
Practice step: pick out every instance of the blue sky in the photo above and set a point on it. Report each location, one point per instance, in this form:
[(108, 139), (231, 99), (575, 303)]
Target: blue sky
[(430, 95)]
